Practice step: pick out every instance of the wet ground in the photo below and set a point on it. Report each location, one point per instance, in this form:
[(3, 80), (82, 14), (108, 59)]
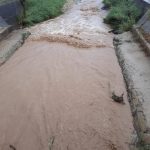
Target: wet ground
[(55, 91)]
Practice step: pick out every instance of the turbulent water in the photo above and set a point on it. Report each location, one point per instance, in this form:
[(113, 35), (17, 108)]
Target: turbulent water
[(81, 26), (55, 91)]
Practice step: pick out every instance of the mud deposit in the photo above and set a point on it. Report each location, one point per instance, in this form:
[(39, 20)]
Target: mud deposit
[(54, 96)]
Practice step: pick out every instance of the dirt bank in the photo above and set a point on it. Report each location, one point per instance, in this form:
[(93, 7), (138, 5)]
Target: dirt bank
[(57, 97)]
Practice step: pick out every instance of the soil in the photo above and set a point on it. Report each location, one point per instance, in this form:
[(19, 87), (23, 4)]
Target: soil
[(57, 96)]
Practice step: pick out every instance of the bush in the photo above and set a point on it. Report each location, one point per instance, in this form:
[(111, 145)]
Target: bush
[(122, 15), (40, 10), (110, 3)]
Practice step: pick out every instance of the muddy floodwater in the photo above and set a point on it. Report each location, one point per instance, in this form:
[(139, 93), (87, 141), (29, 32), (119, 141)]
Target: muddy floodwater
[(55, 91)]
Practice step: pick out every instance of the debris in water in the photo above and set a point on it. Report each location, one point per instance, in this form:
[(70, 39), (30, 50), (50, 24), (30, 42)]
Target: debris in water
[(113, 147), (12, 147), (51, 142), (118, 99)]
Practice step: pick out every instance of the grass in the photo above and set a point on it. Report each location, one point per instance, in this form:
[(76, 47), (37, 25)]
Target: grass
[(39, 10), (122, 15)]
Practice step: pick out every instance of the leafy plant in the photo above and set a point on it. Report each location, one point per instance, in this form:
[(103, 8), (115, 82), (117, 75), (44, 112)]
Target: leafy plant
[(123, 14), (40, 10)]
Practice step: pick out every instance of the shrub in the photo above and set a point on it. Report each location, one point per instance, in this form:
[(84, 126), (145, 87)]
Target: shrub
[(40, 10), (110, 3), (122, 15), (126, 26), (107, 2)]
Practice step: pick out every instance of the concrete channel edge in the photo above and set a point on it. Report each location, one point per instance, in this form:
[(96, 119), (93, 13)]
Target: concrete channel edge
[(139, 119), (6, 55)]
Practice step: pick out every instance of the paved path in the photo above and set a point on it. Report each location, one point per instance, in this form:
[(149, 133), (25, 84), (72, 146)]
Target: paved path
[(55, 96)]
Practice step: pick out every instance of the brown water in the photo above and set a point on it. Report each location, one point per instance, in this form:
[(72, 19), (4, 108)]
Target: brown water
[(57, 97)]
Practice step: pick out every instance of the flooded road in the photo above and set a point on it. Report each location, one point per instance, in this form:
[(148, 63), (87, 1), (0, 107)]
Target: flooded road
[(55, 91)]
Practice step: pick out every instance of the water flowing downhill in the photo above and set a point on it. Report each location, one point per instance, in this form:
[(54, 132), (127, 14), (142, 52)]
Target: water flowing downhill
[(55, 91)]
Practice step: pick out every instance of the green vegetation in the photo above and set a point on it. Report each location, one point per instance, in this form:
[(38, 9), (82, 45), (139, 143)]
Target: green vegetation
[(122, 15), (110, 3), (40, 10)]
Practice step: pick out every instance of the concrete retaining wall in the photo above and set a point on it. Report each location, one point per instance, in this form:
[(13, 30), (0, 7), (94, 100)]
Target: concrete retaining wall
[(10, 10), (140, 37), (141, 29), (144, 5), (130, 57)]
